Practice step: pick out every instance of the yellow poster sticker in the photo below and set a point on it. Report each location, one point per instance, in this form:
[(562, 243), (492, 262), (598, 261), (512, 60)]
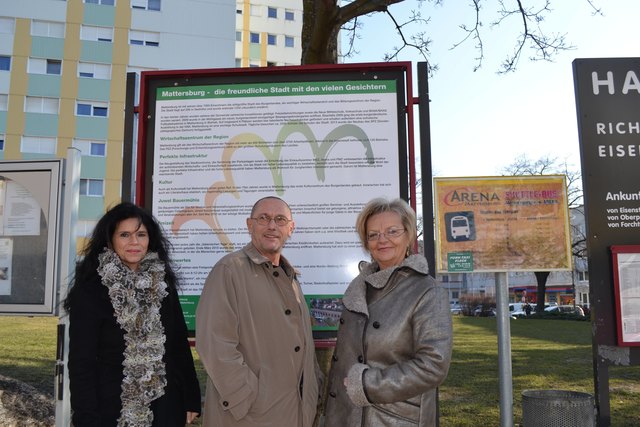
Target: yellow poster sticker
[(495, 224)]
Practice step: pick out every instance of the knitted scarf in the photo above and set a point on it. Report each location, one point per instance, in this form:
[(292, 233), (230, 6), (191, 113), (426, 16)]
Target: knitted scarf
[(136, 297)]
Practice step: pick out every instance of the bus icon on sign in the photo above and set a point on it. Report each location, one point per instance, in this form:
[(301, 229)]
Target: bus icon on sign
[(460, 227)]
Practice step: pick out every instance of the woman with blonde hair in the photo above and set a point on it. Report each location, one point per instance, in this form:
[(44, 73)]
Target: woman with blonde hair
[(395, 335)]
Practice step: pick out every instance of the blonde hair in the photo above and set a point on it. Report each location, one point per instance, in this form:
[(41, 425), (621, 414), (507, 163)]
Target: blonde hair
[(381, 205)]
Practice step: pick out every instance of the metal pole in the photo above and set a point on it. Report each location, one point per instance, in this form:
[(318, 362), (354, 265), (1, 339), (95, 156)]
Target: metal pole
[(426, 172), (71, 197), (504, 350)]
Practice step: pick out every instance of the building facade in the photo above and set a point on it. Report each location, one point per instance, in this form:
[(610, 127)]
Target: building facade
[(268, 33), (63, 69)]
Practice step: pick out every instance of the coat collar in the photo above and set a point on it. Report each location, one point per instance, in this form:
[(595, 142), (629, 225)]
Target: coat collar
[(257, 258), (355, 297)]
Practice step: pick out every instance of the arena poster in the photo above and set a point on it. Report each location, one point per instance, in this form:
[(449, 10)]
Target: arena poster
[(498, 224)]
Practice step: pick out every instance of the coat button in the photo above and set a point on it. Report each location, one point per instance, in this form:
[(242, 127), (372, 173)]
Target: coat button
[(332, 393), (287, 312), (341, 320), (360, 359), (225, 403), (335, 358), (376, 324), (297, 349), (276, 274)]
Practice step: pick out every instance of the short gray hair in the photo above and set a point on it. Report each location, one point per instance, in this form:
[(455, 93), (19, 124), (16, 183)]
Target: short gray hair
[(380, 205)]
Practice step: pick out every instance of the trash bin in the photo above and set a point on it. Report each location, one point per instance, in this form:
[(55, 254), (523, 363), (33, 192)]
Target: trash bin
[(557, 408)]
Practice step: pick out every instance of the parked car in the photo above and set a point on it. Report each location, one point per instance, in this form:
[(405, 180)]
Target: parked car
[(456, 309), (481, 311), (565, 309)]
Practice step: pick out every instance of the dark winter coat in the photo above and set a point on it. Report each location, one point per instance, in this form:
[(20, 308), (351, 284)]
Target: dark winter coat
[(394, 344), (96, 352)]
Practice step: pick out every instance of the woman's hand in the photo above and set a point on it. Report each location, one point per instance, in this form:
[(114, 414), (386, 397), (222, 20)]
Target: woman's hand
[(191, 416)]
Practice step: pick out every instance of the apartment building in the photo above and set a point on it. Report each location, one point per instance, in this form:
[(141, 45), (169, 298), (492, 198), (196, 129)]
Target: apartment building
[(63, 68), (268, 33)]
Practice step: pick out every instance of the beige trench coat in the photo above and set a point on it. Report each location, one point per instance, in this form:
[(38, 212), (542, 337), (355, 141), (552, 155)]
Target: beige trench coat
[(254, 339)]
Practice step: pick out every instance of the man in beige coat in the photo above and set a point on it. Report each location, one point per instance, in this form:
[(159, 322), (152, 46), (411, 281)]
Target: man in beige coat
[(253, 332)]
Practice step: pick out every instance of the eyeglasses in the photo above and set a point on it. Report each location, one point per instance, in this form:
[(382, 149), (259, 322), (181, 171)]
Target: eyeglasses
[(391, 233), (280, 220)]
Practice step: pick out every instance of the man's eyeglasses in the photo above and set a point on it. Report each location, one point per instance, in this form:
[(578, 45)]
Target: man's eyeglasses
[(391, 233), (280, 220)]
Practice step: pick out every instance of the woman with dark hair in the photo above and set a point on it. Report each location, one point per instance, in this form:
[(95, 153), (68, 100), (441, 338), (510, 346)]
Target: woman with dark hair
[(130, 363), (395, 337)]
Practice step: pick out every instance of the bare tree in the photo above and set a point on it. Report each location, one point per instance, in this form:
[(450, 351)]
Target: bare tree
[(547, 165), (323, 20)]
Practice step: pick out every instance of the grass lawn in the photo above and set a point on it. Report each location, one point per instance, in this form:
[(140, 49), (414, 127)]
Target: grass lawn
[(546, 354)]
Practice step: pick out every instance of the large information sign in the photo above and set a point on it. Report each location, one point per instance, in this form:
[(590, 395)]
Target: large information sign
[(325, 140), (498, 224), (608, 107), (608, 103)]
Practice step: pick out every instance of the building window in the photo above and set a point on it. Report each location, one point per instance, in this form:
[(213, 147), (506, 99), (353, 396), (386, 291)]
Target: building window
[(144, 38), (239, 11), (44, 66), (1, 142), (238, 62), (38, 145), (238, 36), (54, 66), (271, 39), (4, 102), (92, 187), (288, 15), (47, 29), (100, 34), (254, 37), (288, 41), (146, 4), (583, 276), (39, 104), (5, 63), (104, 2), (254, 64), (271, 64), (94, 71), (90, 148), (95, 109), (7, 25), (272, 12)]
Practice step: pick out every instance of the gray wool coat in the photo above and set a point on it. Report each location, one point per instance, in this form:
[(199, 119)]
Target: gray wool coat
[(394, 346)]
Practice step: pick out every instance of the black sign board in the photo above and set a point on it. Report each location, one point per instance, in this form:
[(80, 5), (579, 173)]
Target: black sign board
[(608, 107)]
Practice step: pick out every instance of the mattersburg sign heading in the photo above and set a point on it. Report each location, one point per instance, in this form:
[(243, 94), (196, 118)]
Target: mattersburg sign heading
[(277, 89)]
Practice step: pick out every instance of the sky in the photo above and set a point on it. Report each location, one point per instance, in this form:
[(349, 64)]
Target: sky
[(482, 121)]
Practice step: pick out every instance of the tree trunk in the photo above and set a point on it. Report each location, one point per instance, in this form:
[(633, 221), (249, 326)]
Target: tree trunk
[(320, 28), (541, 277), (321, 23)]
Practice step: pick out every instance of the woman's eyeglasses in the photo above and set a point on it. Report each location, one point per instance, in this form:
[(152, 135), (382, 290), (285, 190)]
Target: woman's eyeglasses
[(391, 233)]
